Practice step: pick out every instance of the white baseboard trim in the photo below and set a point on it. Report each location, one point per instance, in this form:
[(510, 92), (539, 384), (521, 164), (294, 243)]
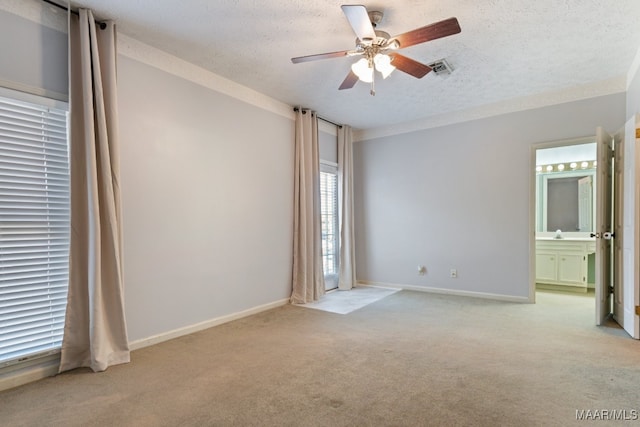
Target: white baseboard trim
[(166, 336), (485, 295)]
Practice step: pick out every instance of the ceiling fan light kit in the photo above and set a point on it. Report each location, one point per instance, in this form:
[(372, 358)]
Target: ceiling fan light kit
[(374, 45), (364, 67)]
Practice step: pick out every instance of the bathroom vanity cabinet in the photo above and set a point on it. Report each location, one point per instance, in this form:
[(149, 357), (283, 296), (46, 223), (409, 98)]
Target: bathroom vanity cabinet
[(563, 261)]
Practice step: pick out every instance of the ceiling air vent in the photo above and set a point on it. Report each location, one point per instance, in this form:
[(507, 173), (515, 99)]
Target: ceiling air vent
[(441, 67)]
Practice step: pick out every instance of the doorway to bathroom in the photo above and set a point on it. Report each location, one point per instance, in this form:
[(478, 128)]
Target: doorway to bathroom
[(578, 184)]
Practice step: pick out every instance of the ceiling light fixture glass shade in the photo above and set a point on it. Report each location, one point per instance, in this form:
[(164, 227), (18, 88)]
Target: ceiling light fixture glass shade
[(383, 64), (363, 70), (364, 67)]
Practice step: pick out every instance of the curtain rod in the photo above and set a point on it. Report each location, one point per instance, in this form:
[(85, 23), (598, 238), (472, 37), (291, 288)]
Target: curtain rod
[(321, 118), (75, 12)]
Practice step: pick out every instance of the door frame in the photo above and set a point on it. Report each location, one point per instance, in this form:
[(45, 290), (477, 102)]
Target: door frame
[(532, 200)]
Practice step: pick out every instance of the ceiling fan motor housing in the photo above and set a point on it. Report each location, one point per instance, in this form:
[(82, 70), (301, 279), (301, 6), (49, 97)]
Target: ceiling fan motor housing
[(375, 17), (381, 40)]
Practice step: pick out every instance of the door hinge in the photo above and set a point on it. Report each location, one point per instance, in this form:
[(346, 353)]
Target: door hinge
[(637, 310), (611, 289)]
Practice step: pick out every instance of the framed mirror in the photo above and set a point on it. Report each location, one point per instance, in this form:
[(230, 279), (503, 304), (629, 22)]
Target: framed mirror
[(566, 201), (565, 184)]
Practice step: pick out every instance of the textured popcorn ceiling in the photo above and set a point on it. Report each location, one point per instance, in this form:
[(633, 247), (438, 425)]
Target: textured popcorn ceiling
[(508, 49)]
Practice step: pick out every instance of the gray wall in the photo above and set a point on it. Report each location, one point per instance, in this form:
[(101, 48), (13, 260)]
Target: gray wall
[(458, 197), (633, 96), (207, 184), (33, 57), (328, 146)]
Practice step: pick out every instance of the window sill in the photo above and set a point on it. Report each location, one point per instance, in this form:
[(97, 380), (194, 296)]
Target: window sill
[(29, 371)]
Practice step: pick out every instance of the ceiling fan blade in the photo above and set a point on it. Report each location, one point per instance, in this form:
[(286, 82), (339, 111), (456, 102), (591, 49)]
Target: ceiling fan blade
[(308, 58), (409, 66), (430, 32), (349, 82), (359, 19)]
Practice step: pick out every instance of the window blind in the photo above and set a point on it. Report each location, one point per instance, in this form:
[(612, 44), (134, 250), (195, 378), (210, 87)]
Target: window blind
[(34, 228), (329, 218)]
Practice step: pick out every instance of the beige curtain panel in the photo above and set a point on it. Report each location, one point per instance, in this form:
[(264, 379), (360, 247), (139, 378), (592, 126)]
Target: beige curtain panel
[(308, 277), (95, 334), (347, 270)]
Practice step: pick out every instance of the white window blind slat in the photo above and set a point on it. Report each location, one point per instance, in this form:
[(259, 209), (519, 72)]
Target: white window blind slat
[(26, 342), (9, 290), (21, 337), (31, 118), (21, 164), (12, 139), (26, 250), (33, 276), (26, 262), (25, 324), (34, 242), (31, 196), (26, 299), (329, 218), (28, 279), (41, 281), (36, 253), (53, 306), (8, 197), (25, 316), (34, 228)]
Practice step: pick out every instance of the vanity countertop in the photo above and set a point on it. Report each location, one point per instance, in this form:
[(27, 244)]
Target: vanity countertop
[(568, 239)]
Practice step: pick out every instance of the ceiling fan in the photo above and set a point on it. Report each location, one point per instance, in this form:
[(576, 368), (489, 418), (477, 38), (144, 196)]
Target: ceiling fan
[(378, 48)]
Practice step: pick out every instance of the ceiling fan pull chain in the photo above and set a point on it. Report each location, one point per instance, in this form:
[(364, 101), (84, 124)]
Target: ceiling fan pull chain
[(373, 84)]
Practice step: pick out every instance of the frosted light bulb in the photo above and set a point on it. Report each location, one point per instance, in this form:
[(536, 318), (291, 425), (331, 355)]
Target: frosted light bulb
[(363, 71), (383, 64)]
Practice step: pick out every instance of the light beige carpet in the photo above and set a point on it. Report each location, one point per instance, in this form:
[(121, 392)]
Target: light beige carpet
[(409, 359)]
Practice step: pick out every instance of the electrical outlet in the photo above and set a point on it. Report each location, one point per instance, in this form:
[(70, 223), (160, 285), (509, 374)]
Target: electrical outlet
[(453, 273)]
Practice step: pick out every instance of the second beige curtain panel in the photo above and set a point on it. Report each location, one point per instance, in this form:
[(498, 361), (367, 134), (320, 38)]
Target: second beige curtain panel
[(95, 334), (347, 269)]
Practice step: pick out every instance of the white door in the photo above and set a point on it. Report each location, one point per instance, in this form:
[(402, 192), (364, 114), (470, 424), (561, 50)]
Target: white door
[(603, 225), (631, 230), (618, 212)]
